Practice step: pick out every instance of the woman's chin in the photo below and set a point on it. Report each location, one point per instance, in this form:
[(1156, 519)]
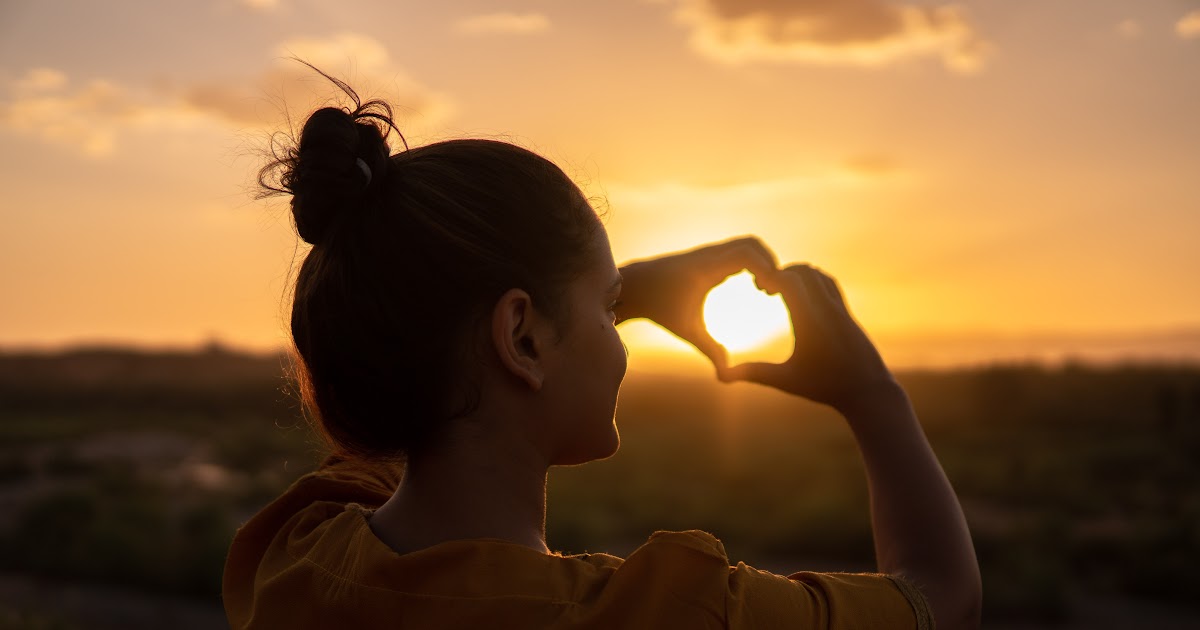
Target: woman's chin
[(603, 447)]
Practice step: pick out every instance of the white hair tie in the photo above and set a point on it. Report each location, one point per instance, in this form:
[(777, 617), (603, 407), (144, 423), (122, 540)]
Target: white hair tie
[(362, 164)]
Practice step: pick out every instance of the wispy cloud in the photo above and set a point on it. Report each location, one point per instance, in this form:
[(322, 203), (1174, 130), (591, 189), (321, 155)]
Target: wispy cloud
[(1129, 29), (503, 23), (844, 32), (41, 79), (91, 116), (362, 61), (262, 5), (871, 165), (368, 54), (1188, 26)]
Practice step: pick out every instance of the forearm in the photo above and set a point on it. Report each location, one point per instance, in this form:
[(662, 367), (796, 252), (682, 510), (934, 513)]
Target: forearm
[(919, 529)]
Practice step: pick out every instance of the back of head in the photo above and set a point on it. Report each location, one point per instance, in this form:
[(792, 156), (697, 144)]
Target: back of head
[(409, 253)]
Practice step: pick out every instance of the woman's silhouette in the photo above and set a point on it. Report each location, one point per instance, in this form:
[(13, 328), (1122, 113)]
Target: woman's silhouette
[(455, 326)]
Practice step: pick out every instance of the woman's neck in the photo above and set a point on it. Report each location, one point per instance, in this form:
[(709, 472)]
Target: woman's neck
[(464, 493)]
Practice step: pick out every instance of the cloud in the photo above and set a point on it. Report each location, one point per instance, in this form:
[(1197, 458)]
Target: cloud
[(833, 32), (365, 63), (261, 5), (232, 103), (1129, 29), (503, 23), (368, 54), (871, 165), (92, 116), (41, 79), (1188, 26), (89, 116)]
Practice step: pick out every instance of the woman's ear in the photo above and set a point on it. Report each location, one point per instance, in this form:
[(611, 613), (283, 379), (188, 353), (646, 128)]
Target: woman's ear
[(517, 337)]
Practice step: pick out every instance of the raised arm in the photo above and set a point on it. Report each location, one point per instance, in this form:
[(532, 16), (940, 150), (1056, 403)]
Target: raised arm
[(918, 525)]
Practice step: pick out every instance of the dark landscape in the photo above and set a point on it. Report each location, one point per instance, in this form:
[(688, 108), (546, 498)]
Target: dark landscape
[(123, 475)]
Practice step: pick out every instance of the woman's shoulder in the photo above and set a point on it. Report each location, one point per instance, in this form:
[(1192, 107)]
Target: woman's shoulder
[(263, 545), (337, 481)]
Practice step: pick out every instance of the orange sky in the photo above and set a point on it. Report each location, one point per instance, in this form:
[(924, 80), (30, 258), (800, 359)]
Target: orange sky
[(999, 169)]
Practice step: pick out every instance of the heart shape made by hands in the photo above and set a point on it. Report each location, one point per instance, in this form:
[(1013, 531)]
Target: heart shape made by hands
[(752, 325)]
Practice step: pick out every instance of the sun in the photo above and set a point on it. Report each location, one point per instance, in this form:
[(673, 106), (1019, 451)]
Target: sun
[(744, 319)]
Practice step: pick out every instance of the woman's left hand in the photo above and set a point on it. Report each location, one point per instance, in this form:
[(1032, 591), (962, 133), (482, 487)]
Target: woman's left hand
[(670, 290)]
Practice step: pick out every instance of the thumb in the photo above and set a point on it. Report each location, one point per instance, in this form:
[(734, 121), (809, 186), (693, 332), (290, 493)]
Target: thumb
[(710, 348), (762, 373)]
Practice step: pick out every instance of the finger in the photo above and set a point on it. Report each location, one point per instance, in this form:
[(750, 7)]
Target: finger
[(760, 249), (834, 293), (743, 253), (791, 285), (748, 241), (831, 297), (831, 285), (821, 289), (710, 348), (769, 374)]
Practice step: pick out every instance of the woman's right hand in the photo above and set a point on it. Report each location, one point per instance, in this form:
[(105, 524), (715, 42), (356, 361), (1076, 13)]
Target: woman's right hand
[(833, 361)]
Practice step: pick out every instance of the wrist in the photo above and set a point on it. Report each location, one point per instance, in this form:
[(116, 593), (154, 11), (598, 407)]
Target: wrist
[(879, 398)]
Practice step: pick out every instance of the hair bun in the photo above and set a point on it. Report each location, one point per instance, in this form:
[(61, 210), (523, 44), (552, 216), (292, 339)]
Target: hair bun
[(323, 170), (325, 179)]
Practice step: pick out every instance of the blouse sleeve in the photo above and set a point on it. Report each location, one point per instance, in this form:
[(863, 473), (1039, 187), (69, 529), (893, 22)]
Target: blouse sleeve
[(834, 601)]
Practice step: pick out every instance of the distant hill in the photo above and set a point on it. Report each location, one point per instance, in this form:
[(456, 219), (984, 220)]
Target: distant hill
[(123, 379), (959, 349), (127, 367)]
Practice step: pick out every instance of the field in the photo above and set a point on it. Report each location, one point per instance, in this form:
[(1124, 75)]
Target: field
[(123, 476)]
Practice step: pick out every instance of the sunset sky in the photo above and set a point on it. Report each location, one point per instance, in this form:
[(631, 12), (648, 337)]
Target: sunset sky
[(977, 170)]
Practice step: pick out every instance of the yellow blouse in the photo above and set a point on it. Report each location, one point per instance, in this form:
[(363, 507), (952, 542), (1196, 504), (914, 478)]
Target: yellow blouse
[(309, 560)]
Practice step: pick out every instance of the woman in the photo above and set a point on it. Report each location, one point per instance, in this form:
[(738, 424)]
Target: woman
[(457, 312)]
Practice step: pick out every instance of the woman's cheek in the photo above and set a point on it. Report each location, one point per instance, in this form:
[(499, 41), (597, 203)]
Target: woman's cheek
[(620, 351)]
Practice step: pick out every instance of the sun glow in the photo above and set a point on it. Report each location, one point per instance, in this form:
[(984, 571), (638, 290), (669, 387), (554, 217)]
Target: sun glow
[(746, 320)]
